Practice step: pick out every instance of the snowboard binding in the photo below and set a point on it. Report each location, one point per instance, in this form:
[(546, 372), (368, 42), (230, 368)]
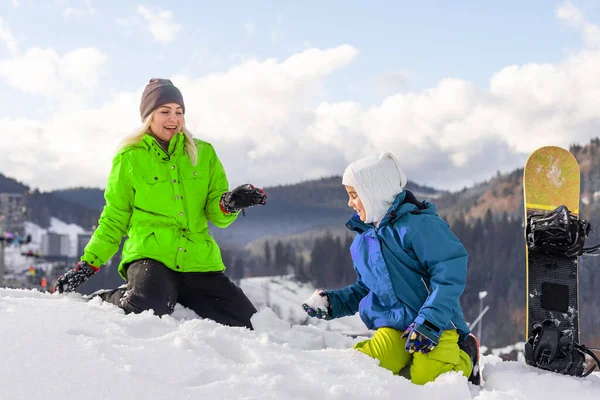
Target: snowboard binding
[(558, 233), (553, 349)]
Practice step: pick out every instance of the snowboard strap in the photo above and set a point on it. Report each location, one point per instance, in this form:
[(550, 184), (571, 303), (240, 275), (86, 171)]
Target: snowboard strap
[(553, 349), (559, 233)]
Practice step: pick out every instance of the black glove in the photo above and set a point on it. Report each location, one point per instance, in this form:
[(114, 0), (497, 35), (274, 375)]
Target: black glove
[(242, 197), (75, 277)]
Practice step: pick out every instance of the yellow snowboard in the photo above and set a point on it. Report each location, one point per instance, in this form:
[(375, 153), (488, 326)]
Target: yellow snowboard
[(551, 179)]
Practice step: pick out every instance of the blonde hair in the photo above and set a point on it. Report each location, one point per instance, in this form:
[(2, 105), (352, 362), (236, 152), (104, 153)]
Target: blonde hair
[(190, 145)]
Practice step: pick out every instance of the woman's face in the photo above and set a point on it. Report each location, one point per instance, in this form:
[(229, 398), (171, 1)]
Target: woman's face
[(356, 203), (167, 120)]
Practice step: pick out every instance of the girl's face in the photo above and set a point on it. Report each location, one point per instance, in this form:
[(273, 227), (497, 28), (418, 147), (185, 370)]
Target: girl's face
[(167, 120), (355, 203)]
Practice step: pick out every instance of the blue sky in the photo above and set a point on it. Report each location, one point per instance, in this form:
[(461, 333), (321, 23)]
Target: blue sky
[(401, 51), (423, 41)]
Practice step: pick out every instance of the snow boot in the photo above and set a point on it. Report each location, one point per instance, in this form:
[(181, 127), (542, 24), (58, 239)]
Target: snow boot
[(471, 346)]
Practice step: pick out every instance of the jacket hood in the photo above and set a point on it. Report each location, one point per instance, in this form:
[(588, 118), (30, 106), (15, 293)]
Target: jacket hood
[(398, 208)]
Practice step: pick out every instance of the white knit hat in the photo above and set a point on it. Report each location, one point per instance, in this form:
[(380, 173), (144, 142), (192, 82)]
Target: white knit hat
[(377, 181)]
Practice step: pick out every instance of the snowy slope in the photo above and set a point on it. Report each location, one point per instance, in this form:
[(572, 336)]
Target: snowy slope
[(285, 296), (73, 349), (16, 262)]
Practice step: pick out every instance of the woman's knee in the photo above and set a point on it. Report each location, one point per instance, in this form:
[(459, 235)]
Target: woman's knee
[(136, 303), (150, 286)]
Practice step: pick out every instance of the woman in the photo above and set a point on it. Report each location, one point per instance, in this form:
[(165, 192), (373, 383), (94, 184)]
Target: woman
[(163, 189), (411, 271)]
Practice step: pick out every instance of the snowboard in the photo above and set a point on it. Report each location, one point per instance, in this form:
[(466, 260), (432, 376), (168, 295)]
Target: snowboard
[(551, 179)]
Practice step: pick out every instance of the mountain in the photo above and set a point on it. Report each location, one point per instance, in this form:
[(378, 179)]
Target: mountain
[(9, 185), (322, 204), (501, 194), (92, 198), (504, 192), (305, 206), (41, 206)]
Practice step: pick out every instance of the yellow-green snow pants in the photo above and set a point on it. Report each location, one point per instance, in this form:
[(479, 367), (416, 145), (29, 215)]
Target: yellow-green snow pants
[(387, 345)]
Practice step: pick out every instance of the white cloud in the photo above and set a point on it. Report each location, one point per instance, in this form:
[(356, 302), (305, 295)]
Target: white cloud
[(572, 16), (33, 72), (76, 12), (253, 113), (271, 123), (82, 67), (45, 72), (160, 23), (391, 82), (15, 3), (73, 147), (7, 39)]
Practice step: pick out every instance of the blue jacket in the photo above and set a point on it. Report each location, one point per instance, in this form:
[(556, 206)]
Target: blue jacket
[(411, 268)]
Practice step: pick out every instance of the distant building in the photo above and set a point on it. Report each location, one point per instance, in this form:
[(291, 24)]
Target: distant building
[(12, 212), (82, 241), (55, 244)]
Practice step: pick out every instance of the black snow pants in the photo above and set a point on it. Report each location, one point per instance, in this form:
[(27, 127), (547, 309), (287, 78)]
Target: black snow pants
[(151, 285)]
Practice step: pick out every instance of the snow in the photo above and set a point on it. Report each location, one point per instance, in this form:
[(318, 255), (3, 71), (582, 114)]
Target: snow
[(285, 296), (318, 300), (35, 231), (91, 350), (57, 226), (79, 349), (17, 263)]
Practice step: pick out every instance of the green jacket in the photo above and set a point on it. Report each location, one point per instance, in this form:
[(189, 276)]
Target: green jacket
[(163, 204)]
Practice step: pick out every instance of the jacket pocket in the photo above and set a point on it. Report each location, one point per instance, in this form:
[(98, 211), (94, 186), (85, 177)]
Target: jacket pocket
[(195, 183), (154, 193), (150, 241), (142, 241)]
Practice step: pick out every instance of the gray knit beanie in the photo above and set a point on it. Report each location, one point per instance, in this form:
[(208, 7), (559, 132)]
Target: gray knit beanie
[(157, 93)]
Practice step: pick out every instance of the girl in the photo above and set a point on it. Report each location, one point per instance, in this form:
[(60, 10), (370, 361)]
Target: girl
[(411, 271)]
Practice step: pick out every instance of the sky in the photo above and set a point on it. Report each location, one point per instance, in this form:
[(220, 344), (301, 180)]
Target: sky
[(70, 348), (297, 91)]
